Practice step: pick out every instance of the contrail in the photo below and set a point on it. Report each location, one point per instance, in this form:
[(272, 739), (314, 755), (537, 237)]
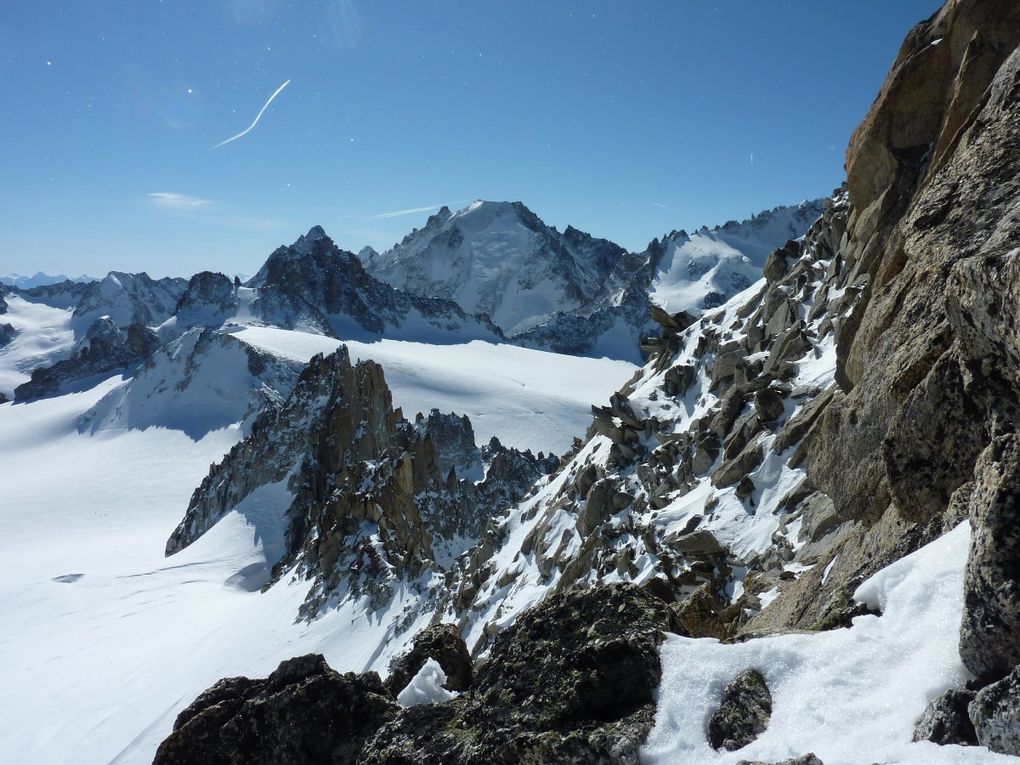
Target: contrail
[(257, 118), (399, 213)]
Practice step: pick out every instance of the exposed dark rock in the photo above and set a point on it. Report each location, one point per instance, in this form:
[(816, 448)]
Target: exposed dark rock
[(995, 713), (744, 713), (945, 720), (304, 713), (571, 682), (7, 333), (769, 405), (807, 759), (105, 348), (441, 642)]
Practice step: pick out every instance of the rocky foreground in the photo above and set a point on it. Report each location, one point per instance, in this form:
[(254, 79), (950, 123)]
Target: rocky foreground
[(730, 460)]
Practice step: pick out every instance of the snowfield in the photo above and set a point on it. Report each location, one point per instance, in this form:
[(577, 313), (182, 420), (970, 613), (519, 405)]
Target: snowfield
[(104, 640), (851, 696), (44, 336), (529, 399)]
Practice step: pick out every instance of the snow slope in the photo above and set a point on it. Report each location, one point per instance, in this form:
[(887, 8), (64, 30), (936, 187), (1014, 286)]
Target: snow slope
[(44, 336), (849, 695), (499, 258), (529, 399), (103, 639)]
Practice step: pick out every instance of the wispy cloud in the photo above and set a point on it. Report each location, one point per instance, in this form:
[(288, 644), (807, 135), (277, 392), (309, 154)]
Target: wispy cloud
[(665, 207), (257, 118), (172, 201), (210, 213), (400, 213)]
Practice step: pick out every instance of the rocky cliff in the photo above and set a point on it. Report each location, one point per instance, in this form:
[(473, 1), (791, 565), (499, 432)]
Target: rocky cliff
[(372, 499), (850, 407)]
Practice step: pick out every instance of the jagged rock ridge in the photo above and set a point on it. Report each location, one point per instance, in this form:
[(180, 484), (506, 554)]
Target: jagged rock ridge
[(373, 499)]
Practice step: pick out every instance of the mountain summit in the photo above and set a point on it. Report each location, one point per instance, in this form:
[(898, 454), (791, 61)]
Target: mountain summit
[(499, 258)]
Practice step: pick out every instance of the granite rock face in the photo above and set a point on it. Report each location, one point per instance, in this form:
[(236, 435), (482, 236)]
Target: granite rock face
[(304, 713), (946, 720)]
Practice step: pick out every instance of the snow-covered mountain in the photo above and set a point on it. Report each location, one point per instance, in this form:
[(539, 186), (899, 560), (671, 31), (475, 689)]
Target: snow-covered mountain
[(500, 259), (316, 286), (39, 279), (571, 292), (788, 537), (691, 272)]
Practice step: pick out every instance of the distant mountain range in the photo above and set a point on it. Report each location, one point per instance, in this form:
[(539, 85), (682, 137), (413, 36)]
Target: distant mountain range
[(39, 279), (492, 271)]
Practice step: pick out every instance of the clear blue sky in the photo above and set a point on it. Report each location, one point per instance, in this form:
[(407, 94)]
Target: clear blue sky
[(625, 119)]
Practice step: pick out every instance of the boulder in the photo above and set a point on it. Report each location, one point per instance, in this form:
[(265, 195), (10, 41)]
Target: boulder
[(995, 713), (768, 403), (699, 614), (744, 713), (945, 720), (731, 472), (304, 713), (441, 642)]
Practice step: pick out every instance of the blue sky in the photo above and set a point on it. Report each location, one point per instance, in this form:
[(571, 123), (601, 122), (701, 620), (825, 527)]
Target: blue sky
[(625, 119)]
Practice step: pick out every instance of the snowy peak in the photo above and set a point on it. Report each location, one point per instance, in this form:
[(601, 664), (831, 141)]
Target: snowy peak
[(500, 259), (693, 272), (316, 286), (128, 299)]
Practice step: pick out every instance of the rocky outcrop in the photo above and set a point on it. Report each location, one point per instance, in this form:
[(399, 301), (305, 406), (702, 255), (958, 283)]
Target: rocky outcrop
[(304, 713), (375, 499), (995, 712), (441, 642), (743, 714), (807, 759), (946, 720), (209, 300), (104, 349), (7, 333), (571, 682), (315, 285)]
